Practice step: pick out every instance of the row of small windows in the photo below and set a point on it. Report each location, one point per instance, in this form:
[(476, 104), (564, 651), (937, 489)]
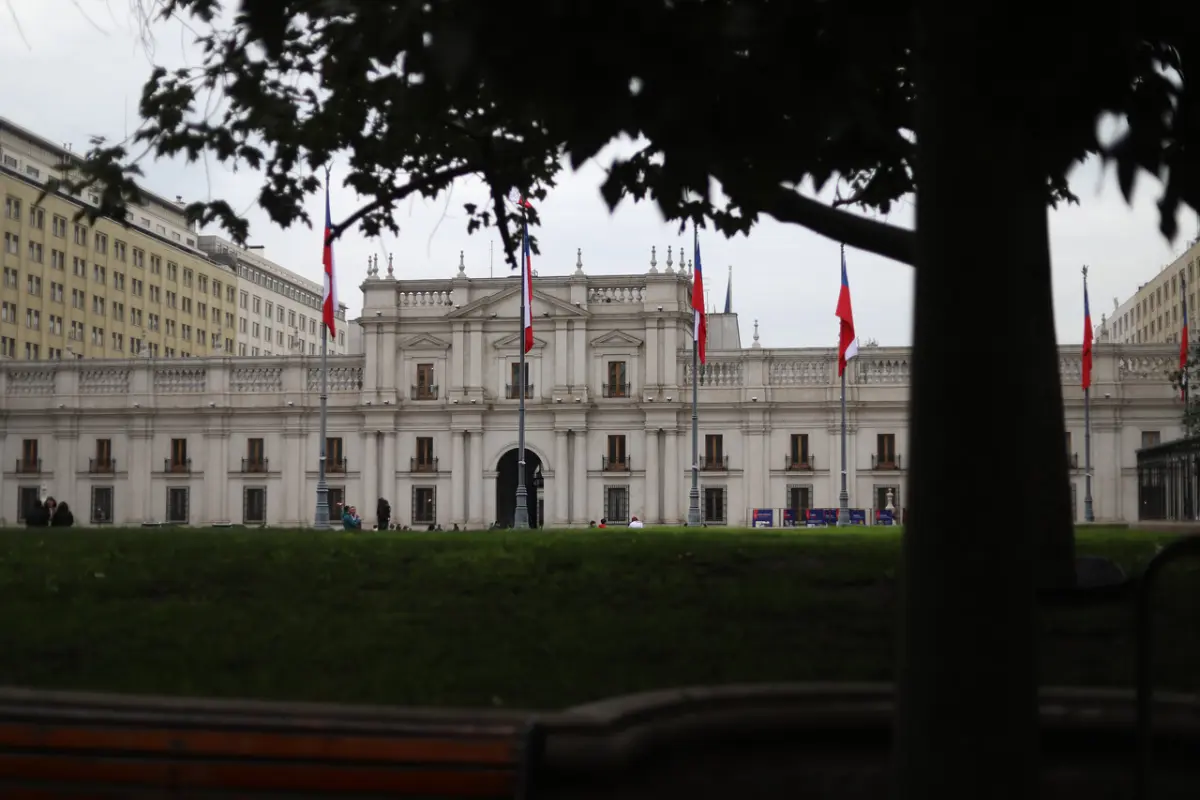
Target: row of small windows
[(35, 173), (281, 287), (122, 253)]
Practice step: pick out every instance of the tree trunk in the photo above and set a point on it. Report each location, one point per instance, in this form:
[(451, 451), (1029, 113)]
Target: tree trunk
[(985, 387)]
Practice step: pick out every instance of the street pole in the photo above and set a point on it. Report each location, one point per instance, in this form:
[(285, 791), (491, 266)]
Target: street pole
[(521, 513), (321, 518), (844, 496), (693, 517), (1088, 512)]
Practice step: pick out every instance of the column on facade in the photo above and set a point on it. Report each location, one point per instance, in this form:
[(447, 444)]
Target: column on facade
[(371, 373), (368, 478), (387, 361), (562, 487), (457, 362), (668, 368), (651, 512), (670, 514), (476, 369), (294, 480), (141, 467), (561, 357), (579, 360), (4, 520), (751, 476), (579, 487), (223, 498), (387, 470), (64, 467), (475, 479), (458, 477), (652, 376), (215, 473)]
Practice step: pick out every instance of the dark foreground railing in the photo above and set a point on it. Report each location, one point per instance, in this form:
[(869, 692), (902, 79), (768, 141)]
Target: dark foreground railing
[(802, 740), (1169, 481)]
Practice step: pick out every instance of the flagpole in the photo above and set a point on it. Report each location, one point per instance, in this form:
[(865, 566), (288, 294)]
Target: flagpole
[(844, 495), (1184, 356), (521, 513), (1088, 512), (321, 517), (693, 516)]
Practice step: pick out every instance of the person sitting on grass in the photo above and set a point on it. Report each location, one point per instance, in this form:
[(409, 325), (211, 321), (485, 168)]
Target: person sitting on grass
[(38, 514), (636, 523), (604, 522), (350, 519), (62, 516)]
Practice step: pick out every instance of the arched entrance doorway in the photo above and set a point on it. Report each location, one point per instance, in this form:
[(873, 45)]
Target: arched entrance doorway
[(506, 487)]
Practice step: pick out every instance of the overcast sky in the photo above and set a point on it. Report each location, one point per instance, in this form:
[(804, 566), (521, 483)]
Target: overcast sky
[(75, 68)]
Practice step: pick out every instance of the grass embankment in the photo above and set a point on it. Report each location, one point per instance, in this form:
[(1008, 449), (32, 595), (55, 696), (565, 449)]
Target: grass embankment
[(539, 619)]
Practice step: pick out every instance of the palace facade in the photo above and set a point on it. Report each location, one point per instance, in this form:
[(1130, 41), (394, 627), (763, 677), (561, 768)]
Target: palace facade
[(427, 418)]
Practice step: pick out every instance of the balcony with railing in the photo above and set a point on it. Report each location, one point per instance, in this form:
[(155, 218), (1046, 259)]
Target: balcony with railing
[(335, 466), (423, 464), (512, 391), (714, 464), (177, 466), (889, 462), (29, 466), (424, 392), (102, 466), (616, 390), (805, 463), (622, 464), (256, 465)]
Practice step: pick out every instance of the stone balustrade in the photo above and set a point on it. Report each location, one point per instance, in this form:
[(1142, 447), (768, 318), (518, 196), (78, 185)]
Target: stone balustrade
[(754, 375)]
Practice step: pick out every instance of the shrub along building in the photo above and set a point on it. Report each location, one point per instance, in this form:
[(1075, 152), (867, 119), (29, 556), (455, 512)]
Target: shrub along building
[(427, 418)]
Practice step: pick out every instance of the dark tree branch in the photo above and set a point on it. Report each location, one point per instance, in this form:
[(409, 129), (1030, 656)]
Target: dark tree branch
[(424, 186), (880, 238)]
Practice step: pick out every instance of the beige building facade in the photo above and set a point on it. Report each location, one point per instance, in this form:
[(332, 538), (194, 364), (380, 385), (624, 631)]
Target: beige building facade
[(1154, 313), (151, 286), (427, 418), (279, 312)]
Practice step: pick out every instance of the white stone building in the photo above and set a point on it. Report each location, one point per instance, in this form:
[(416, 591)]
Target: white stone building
[(427, 417)]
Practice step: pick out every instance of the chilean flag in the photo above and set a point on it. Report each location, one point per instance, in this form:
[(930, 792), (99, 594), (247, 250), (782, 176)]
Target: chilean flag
[(1087, 341), (700, 326), (527, 282), (329, 302), (1183, 340), (847, 341)]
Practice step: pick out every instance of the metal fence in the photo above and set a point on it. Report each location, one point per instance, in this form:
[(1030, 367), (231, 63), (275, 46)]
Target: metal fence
[(1169, 481)]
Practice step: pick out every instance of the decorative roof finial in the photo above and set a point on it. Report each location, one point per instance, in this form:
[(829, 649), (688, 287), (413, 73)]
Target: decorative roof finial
[(462, 263), (756, 344), (579, 261), (653, 261), (669, 262), (370, 267), (689, 266), (391, 272)]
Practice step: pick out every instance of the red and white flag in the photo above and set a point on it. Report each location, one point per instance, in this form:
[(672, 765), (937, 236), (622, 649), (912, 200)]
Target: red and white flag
[(329, 300), (699, 318), (527, 282), (847, 338)]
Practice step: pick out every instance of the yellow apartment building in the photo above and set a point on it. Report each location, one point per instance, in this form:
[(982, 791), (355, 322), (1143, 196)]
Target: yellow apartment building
[(1154, 314), (105, 290)]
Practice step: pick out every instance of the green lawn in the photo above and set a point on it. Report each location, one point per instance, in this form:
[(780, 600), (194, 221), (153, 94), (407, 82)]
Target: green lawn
[(538, 619)]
